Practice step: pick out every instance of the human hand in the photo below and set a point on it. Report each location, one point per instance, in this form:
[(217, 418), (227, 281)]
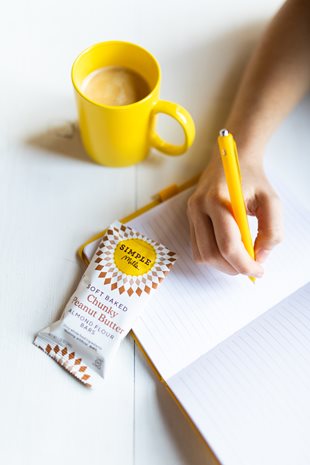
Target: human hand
[(215, 235)]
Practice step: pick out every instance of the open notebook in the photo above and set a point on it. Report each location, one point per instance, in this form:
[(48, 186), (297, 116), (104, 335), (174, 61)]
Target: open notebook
[(235, 355)]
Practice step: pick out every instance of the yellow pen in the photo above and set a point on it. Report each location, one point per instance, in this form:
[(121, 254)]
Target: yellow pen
[(229, 156)]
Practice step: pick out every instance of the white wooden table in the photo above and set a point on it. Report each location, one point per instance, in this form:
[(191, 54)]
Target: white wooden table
[(52, 198)]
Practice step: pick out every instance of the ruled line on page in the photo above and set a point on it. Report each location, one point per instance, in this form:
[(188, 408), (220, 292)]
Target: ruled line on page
[(205, 306), (249, 396)]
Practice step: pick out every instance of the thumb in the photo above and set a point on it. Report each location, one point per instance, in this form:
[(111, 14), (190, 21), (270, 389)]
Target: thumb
[(270, 225)]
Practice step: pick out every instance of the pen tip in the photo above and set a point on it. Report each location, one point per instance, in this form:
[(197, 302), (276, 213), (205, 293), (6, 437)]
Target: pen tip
[(252, 279), (224, 132)]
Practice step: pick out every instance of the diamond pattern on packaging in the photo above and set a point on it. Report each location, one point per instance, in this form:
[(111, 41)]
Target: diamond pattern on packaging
[(111, 275)]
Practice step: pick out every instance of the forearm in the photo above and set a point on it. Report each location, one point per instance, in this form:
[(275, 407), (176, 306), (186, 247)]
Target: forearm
[(276, 78)]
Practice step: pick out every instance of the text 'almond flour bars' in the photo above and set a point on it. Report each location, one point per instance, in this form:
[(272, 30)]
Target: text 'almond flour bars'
[(125, 270)]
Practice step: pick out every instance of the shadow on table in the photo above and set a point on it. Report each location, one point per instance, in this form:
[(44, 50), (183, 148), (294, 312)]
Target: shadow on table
[(193, 449), (61, 139), (208, 75)]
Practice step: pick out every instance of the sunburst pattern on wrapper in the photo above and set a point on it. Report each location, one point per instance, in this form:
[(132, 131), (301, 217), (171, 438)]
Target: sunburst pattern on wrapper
[(112, 276)]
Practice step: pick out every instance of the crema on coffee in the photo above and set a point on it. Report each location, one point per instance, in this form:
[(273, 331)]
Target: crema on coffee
[(115, 86)]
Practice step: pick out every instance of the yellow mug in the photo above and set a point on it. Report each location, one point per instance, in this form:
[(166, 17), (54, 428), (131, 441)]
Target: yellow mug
[(123, 135)]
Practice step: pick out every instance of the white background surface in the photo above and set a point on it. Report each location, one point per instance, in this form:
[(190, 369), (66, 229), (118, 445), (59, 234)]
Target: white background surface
[(52, 198)]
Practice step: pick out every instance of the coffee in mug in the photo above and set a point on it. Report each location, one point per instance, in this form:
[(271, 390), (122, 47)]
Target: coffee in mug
[(115, 85)]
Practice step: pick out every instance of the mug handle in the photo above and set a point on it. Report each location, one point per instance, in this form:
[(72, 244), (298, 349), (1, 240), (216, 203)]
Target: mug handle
[(183, 118)]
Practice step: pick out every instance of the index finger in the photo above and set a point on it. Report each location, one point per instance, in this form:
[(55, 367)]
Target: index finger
[(229, 242)]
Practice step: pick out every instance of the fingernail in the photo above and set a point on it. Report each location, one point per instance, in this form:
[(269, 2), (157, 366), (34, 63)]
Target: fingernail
[(258, 275), (261, 255)]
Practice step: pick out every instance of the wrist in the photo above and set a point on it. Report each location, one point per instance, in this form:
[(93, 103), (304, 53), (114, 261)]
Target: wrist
[(250, 143), (249, 155), (250, 134)]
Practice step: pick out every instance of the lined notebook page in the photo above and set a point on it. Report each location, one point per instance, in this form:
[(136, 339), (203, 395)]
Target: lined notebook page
[(197, 307), (250, 396)]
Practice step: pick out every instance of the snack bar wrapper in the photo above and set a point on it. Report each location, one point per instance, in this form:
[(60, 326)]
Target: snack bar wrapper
[(125, 270)]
